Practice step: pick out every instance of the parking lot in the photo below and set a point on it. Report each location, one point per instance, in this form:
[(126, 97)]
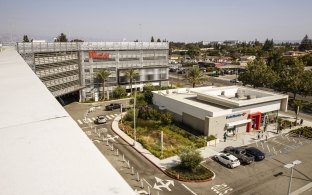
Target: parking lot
[(264, 177)]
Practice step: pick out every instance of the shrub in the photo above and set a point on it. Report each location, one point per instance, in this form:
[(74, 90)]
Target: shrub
[(119, 92), (166, 118), (211, 137), (190, 158)]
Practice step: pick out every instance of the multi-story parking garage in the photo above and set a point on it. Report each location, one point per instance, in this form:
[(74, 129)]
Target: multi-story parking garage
[(68, 67)]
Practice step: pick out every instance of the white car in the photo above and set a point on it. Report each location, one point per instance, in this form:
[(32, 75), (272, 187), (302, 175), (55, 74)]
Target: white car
[(227, 159), (100, 119)]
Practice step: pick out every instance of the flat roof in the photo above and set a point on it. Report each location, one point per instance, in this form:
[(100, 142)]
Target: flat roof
[(220, 100), (236, 96), (42, 149)]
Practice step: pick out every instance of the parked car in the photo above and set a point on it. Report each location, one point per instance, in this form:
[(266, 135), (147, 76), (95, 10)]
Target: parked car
[(100, 119), (112, 106), (234, 81), (240, 153), (227, 159), (258, 154)]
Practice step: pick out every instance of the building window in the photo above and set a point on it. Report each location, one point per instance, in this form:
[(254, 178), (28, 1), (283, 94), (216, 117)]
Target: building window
[(128, 59), (87, 70), (87, 81)]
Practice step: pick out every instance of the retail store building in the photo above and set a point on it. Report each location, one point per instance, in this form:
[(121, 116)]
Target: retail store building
[(215, 110)]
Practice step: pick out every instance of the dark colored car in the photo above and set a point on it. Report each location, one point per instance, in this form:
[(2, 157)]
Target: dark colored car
[(241, 154), (112, 106), (258, 154)]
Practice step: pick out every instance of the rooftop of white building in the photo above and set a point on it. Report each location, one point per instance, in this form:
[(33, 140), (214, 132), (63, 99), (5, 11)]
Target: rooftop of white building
[(219, 99), (42, 149)]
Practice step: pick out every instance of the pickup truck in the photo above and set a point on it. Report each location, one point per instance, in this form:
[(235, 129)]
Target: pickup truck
[(112, 106), (240, 153)]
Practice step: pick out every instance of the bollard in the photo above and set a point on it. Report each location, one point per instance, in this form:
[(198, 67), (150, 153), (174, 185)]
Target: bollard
[(157, 192), (123, 157), (262, 145), (142, 186), (274, 150), (132, 171), (148, 190), (128, 164), (138, 176), (107, 142), (117, 152), (112, 148), (103, 138), (257, 144)]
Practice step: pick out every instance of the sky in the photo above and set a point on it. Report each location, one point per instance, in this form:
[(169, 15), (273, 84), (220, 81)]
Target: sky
[(173, 20)]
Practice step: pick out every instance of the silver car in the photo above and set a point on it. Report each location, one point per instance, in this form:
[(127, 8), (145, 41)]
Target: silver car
[(100, 119)]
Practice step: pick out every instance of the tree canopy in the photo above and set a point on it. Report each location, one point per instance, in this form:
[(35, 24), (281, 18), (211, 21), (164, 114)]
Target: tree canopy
[(306, 44), (25, 39), (61, 38)]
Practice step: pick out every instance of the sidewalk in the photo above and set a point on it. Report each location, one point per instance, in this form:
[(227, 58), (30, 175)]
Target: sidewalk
[(240, 139)]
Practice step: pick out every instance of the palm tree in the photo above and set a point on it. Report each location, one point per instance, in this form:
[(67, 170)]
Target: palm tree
[(103, 75), (195, 76), (131, 74)]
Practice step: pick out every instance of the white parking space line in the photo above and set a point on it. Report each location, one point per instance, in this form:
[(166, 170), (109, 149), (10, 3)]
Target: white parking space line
[(108, 117), (188, 188), (147, 183), (112, 116), (79, 121), (93, 118), (115, 114), (90, 121)]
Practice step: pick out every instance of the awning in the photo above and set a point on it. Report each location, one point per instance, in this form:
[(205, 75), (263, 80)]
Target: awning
[(232, 124)]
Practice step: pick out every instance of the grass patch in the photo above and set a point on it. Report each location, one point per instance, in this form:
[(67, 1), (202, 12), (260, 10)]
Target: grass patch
[(180, 173), (175, 138)]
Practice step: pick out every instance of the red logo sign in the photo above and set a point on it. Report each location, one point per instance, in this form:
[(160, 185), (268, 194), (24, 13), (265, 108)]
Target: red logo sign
[(96, 55)]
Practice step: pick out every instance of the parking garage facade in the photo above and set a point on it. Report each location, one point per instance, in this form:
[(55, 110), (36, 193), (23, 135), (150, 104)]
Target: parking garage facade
[(66, 68)]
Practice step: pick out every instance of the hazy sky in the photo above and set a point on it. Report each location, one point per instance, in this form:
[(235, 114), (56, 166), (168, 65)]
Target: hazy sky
[(174, 20)]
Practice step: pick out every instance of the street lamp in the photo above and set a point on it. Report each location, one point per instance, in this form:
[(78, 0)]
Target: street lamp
[(291, 166), (134, 104)]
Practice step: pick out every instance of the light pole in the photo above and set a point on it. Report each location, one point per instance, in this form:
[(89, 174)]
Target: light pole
[(291, 166), (134, 104)]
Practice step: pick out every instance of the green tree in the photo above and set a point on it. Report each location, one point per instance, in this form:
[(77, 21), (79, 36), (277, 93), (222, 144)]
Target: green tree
[(195, 76), (192, 50), (147, 91), (306, 82), (158, 40), (190, 158), (306, 44), (61, 38), (258, 74), (290, 77), (103, 76), (25, 39), (152, 39), (76, 40), (119, 92), (268, 45), (131, 74)]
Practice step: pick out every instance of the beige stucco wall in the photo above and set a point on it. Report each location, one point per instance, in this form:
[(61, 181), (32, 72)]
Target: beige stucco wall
[(195, 123)]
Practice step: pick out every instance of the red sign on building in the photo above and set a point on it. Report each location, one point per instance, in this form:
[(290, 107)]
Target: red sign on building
[(96, 55)]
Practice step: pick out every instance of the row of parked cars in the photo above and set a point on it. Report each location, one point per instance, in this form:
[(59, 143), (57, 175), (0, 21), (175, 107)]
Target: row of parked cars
[(234, 156)]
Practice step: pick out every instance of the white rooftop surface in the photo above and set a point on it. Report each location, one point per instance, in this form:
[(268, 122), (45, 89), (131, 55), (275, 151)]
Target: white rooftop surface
[(42, 149), (228, 99), (188, 97)]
